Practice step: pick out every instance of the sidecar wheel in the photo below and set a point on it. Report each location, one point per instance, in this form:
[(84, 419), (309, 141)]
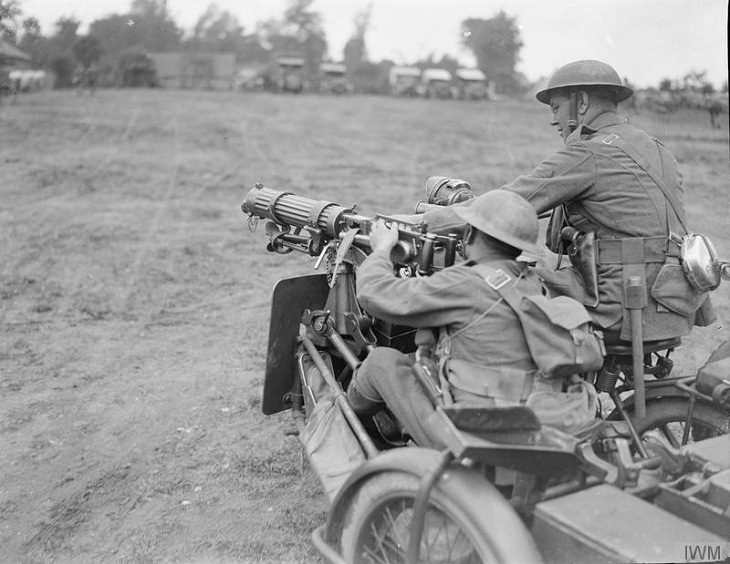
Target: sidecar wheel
[(376, 524), (668, 415)]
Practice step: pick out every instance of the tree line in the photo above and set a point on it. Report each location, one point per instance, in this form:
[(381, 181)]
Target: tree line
[(119, 41)]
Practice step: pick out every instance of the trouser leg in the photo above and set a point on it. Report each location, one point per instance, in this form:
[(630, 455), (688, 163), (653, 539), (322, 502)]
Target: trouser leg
[(386, 377), (378, 376)]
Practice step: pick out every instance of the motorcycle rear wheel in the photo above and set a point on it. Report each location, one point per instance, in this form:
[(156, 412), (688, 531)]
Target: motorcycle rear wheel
[(376, 526), (668, 416)]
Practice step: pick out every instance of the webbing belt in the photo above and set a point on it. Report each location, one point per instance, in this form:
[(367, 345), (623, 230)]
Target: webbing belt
[(635, 250)]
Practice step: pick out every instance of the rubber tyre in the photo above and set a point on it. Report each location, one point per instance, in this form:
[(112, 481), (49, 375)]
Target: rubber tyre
[(375, 526), (668, 415)]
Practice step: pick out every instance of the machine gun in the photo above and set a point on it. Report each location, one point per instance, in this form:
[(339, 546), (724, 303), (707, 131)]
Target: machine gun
[(380, 485), (337, 233)]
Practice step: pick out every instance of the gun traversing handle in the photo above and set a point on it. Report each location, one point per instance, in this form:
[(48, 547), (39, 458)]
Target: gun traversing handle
[(450, 249), (425, 260), (403, 252)]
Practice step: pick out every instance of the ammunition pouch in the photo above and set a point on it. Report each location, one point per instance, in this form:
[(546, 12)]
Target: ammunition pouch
[(672, 290), (499, 387), (570, 411)]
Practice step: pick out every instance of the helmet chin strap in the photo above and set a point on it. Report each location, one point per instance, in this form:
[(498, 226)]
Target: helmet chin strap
[(467, 240), (573, 111)]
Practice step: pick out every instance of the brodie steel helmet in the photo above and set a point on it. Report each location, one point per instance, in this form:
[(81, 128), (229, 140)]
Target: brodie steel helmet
[(585, 73), (505, 216)]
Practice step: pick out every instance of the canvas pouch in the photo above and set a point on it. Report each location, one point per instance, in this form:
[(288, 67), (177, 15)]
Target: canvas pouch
[(672, 290), (569, 411), (559, 331), (331, 446)]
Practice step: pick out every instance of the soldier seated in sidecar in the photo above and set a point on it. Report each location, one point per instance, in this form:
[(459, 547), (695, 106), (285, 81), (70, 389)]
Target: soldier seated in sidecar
[(484, 358)]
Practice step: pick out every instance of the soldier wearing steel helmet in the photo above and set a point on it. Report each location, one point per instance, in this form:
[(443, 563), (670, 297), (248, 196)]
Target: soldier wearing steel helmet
[(481, 335), (616, 182)]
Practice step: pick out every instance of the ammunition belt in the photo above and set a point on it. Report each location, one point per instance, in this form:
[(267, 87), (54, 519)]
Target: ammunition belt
[(628, 250)]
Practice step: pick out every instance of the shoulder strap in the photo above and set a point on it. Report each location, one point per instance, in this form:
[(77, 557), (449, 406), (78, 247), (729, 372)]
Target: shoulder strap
[(502, 283), (634, 155)]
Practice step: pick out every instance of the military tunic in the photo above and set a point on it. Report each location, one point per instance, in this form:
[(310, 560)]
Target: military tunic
[(607, 191), (598, 187), (483, 331), (456, 298)]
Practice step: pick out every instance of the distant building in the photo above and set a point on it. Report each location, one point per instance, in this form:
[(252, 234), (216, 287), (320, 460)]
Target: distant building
[(10, 55), (11, 58), (209, 71)]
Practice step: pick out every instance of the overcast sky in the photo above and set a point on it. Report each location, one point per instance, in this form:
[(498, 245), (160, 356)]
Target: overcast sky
[(645, 40)]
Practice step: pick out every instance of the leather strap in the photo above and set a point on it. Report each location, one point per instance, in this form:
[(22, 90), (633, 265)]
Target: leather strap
[(649, 249), (634, 155)]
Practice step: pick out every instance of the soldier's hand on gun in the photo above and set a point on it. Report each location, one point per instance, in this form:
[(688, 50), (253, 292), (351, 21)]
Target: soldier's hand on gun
[(383, 237)]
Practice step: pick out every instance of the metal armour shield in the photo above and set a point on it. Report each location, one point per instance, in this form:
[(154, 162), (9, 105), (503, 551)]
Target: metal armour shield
[(290, 297)]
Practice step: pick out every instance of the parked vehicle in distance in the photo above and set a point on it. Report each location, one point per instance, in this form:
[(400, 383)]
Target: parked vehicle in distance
[(333, 79), (471, 84), (436, 83), (289, 74), (404, 81)]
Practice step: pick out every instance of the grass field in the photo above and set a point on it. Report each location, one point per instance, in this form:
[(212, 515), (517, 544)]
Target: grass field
[(134, 301)]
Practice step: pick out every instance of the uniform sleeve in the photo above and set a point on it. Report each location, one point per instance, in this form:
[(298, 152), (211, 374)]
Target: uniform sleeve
[(443, 220), (429, 301), (558, 179)]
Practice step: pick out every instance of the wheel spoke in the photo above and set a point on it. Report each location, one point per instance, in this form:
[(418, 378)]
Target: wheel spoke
[(444, 540), (429, 540), (386, 536), (389, 533), (670, 436)]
